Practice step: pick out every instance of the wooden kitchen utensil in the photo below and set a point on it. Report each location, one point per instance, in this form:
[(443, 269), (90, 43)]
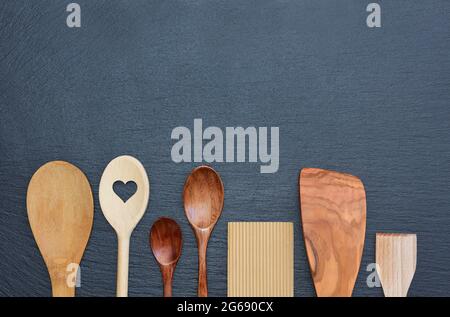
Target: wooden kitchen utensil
[(203, 202), (396, 262), (123, 215), (166, 242), (333, 215), (260, 259), (60, 211)]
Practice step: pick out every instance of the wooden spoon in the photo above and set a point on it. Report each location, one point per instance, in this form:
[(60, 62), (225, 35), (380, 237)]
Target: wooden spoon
[(123, 216), (203, 202), (165, 242), (396, 262), (61, 211), (333, 214)]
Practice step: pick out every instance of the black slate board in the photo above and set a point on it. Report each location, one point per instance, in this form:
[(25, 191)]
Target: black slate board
[(371, 102)]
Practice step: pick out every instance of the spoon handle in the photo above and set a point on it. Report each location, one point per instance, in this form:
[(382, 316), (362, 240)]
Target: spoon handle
[(60, 287), (122, 266), (202, 241), (167, 275)]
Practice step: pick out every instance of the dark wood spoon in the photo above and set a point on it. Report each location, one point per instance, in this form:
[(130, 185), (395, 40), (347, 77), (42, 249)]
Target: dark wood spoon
[(203, 202), (166, 242)]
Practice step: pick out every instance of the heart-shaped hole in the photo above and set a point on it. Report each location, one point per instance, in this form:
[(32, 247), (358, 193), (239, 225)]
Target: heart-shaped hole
[(124, 190)]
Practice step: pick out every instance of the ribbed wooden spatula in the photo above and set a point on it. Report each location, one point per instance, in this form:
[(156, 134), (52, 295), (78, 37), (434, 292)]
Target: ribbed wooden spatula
[(396, 262), (260, 259), (333, 214)]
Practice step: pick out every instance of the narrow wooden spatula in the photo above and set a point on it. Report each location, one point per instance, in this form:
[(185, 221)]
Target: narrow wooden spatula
[(333, 215), (61, 211), (396, 262)]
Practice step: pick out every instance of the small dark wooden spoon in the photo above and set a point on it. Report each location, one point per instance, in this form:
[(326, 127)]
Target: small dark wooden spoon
[(203, 202), (166, 242)]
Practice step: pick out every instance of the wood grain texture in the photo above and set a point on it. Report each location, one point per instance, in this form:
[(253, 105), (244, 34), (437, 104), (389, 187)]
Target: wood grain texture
[(166, 242), (123, 216), (333, 214), (203, 197), (60, 211), (260, 259), (396, 257)]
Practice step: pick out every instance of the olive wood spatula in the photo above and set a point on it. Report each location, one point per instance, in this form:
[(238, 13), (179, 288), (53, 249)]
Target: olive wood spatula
[(333, 216)]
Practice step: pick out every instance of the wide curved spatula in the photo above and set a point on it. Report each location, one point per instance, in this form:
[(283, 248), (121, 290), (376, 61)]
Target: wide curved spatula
[(60, 211), (333, 214), (123, 215), (396, 262)]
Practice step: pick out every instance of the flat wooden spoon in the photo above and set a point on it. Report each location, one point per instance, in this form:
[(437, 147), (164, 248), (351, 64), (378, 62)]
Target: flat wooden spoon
[(166, 242), (333, 214), (396, 256), (61, 211), (123, 216), (203, 202)]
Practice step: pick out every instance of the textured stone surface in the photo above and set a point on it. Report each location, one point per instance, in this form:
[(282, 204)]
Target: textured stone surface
[(371, 102)]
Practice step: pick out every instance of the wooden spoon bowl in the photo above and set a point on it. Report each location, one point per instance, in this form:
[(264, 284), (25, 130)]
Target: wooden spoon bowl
[(203, 197)]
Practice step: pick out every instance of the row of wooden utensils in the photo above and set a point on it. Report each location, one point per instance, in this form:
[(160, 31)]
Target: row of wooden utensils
[(260, 254)]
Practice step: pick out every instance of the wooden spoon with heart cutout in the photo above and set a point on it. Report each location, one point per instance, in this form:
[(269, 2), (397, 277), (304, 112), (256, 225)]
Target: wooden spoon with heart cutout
[(123, 216), (333, 214), (60, 211), (203, 202), (166, 242)]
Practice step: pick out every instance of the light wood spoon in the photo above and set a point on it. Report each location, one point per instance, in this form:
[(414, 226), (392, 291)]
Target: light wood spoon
[(123, 216), (203, 202), (396, 256), (60, 211), (166, 242), (333, 214)]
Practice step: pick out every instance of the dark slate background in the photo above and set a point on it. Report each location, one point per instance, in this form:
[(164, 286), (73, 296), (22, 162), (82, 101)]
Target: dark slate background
[(371, 102)]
